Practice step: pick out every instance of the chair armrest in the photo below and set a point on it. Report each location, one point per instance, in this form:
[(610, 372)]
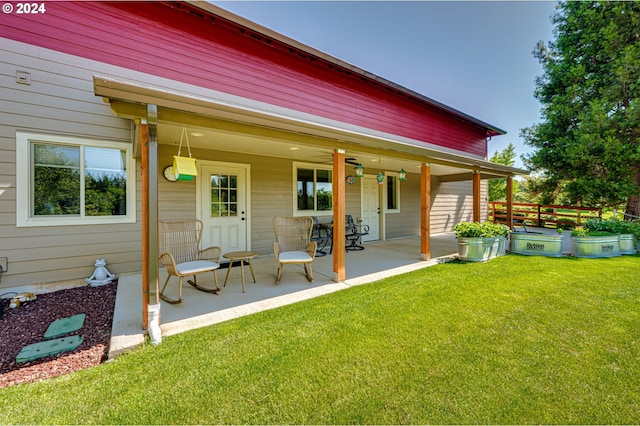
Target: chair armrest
[(311, 249), (276, 250), (363, 229), (169, 263), (213, 253)]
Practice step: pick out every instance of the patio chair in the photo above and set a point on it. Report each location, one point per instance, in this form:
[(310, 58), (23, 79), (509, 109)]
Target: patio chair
[(293, 243), (354, 233), (519, 225), (181, 255), (322, 236)]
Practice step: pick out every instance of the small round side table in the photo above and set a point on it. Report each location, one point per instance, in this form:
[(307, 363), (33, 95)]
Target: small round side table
[(241, 256)]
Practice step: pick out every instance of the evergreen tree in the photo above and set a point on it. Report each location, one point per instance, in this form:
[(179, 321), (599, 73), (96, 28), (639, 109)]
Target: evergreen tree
[(588, 142), (498, 187)]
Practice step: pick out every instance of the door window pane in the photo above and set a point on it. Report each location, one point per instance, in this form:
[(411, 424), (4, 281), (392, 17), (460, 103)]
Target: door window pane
[(224, 195)]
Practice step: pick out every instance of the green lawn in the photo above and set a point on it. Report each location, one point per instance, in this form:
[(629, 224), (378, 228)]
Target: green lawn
[(516, 340)]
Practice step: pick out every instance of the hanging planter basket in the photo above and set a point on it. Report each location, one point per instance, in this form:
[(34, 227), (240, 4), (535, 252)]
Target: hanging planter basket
[(184, 168)]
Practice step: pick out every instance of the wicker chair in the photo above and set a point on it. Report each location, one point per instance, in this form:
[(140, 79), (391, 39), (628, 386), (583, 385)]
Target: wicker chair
[(293, 243), (181, 254)]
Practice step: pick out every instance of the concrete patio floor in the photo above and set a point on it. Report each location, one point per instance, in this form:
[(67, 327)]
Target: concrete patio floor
[(379, 260)]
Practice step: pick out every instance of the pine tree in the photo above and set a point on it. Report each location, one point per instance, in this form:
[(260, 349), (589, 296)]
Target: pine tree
[(498, 187), (588, 141)]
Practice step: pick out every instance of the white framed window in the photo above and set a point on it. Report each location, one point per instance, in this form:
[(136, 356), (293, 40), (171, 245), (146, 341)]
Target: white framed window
[(392, 193), (73, 181), (313, 189)]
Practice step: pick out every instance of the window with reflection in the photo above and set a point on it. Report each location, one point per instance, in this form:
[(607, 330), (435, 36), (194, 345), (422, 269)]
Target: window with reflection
[(393, 193), (79, 181), (73, 181), (314, 189)]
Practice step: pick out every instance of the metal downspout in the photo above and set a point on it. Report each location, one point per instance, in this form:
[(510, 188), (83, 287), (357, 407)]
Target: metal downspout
[(152, 223)]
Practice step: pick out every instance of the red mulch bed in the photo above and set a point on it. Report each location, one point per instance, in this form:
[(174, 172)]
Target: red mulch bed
[(27, 324)]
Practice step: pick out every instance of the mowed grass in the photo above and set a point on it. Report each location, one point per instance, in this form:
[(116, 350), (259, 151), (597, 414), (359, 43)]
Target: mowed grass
[(516, 340)]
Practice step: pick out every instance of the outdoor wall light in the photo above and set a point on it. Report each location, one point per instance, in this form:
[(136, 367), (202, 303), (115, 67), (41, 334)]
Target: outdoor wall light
[(359, 170), (402, 174), (380, 178)]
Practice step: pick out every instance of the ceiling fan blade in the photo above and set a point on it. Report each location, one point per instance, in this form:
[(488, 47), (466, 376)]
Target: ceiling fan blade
[(349, 160)]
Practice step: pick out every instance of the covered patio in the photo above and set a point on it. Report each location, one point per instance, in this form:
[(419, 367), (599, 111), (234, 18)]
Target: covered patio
[(267, 152), (332, 141), (379, 260)]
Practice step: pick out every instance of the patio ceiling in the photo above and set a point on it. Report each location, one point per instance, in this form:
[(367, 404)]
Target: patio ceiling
[(229, 141)]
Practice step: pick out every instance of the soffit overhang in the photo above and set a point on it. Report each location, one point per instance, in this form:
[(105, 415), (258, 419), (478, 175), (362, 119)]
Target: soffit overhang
[(228, 112)]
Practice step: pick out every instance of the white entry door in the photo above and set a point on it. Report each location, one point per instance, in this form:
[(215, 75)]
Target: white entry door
[(371, 207), (222, 191)]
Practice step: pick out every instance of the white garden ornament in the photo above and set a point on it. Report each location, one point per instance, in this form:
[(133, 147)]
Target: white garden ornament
[(101, 274)]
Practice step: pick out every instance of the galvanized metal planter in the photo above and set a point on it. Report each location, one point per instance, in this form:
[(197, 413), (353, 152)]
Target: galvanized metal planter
[(602, 246), (477, 249), (627, 245), (536, 244)]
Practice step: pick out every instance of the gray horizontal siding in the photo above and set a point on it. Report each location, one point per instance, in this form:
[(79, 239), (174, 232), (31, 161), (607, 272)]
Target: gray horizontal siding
[(59, 101), (452, 203), (407, 220)]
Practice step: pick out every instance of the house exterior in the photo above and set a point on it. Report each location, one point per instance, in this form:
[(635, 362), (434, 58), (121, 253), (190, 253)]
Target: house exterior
[(98, 97)]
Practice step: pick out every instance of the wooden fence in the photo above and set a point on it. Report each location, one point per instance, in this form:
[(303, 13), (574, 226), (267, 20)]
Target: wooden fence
[(543, 216)]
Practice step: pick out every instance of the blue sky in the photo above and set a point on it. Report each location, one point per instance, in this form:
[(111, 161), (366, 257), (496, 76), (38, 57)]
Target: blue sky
[(474, 56)]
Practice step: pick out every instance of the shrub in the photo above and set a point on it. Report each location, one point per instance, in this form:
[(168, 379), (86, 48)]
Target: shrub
[(579, 232), (612, 226)]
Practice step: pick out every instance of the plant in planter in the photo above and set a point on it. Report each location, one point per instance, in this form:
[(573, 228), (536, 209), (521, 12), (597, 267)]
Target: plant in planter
[(632, 245), (628, 232), (585, 243), (478, 242)]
